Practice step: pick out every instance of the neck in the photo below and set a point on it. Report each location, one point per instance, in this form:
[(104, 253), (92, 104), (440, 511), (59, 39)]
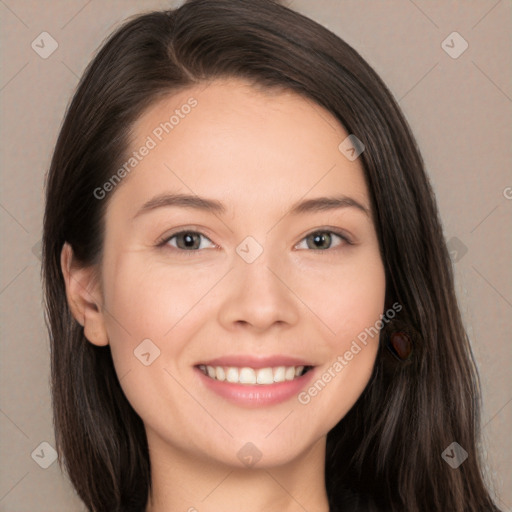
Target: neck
[(180, 482)]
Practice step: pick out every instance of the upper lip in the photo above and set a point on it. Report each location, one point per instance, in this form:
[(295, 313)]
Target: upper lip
[(251, 361)]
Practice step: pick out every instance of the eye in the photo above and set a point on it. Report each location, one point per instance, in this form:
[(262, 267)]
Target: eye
[(191, 241), (186, 241), (323, 240)]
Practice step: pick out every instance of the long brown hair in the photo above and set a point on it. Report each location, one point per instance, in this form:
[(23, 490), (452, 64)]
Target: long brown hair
[(385, 454)]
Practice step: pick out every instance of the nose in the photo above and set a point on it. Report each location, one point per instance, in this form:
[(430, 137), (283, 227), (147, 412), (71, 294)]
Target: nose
[(258, 296)]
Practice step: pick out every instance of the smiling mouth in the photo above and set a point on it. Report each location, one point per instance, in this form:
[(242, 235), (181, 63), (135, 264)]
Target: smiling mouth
[(254, 376)]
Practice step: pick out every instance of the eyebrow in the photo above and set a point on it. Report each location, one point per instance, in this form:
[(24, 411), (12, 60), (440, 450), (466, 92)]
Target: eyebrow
[(216, 207)]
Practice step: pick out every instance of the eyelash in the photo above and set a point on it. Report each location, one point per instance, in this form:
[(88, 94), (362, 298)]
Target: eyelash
[(164, 241)]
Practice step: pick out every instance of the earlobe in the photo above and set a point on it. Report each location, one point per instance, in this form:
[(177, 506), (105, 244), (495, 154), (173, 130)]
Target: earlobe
[(84, 297)]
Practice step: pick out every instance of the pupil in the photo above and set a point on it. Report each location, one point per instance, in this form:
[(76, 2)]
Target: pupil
[(189, 240), (322, 238)]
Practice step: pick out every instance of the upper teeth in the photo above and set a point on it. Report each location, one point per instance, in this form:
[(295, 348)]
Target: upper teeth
[(248, 375)]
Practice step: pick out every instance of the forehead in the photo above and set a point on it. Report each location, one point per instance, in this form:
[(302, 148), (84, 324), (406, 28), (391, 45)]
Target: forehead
[(229, 140)]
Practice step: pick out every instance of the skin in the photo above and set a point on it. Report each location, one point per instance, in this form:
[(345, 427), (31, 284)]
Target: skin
[(258, 152)]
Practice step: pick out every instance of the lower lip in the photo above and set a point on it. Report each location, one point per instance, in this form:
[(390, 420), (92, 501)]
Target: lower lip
[(257, 395)]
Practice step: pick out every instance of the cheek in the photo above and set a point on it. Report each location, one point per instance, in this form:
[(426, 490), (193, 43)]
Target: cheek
[(345, 298), (350, 303), (147, 300), (149, 297)]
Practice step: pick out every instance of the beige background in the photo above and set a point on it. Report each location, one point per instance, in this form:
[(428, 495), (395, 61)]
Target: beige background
[(460, 112)]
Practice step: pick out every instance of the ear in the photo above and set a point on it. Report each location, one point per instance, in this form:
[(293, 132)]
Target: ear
[(84, 297)]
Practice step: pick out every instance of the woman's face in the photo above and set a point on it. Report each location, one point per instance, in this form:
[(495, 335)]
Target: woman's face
[(248, 278)]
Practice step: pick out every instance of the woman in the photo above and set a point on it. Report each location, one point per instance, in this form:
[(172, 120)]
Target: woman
[(249, 297)]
